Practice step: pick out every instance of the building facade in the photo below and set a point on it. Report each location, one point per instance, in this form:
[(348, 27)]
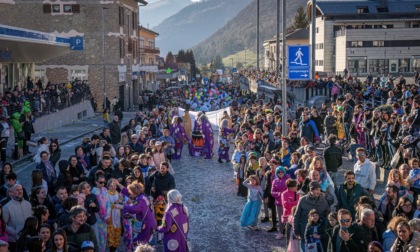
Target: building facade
[(109, 29), (149, 55), (297, 37), (367, 36)]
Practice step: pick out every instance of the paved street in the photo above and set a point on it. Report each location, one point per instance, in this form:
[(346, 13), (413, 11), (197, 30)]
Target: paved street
[(208, 193)]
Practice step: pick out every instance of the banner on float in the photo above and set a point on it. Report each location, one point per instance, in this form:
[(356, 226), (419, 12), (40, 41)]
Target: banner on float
[(213, 116)]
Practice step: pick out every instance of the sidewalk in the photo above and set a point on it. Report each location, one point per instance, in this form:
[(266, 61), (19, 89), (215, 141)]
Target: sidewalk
[(68, 133)]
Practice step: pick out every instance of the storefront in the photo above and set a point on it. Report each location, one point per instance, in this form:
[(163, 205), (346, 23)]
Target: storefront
[(20, 49)]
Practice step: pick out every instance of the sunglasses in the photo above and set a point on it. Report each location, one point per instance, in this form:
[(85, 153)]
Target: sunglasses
[(345, 221), (101, 182), (361, 155)]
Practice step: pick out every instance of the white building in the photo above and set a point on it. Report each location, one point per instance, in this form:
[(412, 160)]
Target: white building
[(362, 36)]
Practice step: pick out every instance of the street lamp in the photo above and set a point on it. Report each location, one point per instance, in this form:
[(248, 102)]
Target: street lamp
[(258, 35), (103, 53)]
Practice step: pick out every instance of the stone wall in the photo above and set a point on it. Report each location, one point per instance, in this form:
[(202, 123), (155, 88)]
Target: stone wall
[(57, 75)]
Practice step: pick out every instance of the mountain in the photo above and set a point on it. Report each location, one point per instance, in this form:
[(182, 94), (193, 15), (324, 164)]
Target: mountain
[(240, 32), (158, 10), (196, 22)]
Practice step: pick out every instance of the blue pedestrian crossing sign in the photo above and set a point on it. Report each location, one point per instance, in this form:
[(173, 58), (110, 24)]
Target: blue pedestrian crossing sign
[(234, 70), (76, 43), (299, 62)]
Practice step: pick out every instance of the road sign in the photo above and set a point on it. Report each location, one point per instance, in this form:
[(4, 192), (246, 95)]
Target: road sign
[(234, 70), (76, 43), (183, 72), (299, 62)]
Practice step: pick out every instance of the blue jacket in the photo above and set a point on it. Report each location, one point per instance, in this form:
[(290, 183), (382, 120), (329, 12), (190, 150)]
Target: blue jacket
[(388, 238), (308, 129)]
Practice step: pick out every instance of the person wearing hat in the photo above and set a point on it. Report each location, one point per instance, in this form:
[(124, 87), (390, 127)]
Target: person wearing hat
[(268, 197), (313, 200), (87, 246)]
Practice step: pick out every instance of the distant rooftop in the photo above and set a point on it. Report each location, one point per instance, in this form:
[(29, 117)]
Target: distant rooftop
[(366, 7)]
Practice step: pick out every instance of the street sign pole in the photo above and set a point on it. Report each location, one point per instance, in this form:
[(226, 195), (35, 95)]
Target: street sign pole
[(283, 72)]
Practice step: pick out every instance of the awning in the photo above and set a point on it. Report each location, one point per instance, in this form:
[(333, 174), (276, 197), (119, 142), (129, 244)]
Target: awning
[(21, 45)]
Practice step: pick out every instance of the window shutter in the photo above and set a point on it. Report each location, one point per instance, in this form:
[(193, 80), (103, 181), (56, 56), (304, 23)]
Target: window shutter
[(75, 8), (47, 8)]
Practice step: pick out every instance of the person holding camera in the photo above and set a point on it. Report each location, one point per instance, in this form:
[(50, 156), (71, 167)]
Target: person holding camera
[(347, 236)]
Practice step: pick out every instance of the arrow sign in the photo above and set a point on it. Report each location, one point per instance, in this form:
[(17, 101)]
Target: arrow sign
[(304, 75)]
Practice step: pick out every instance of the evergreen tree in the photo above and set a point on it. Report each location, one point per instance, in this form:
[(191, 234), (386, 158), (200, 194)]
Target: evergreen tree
[(301, 20), (204, 70), (189, 55), (218, 63), (169, 58), (181, 57)]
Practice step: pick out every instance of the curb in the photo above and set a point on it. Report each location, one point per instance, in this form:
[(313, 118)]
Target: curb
[(28, 157)]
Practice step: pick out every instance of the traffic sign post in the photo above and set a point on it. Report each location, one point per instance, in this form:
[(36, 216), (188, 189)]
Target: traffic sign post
[(299, 64), (76, 43)]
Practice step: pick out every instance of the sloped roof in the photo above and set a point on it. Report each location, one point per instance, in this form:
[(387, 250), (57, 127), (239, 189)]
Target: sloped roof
[(296, 34), (346, 7)]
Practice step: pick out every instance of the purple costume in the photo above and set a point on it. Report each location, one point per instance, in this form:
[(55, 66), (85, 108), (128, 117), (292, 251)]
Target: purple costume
[(361, 139), (207, 131), (178, 133), (197, 126), (173, 239), (224, 143), (141, 206)]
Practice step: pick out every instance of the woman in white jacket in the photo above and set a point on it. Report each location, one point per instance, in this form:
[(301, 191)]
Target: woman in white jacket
[(43, 146)]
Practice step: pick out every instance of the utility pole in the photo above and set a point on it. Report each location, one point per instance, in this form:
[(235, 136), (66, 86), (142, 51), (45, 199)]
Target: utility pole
[(258, 34), (278, 42), (283, 72), (313, 41), (103, 53)]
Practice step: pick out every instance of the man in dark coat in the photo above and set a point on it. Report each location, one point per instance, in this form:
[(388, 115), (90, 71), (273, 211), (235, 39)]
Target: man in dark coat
[(115, 131), (162, 181), (333, 157), (347, 236), (268, 198)]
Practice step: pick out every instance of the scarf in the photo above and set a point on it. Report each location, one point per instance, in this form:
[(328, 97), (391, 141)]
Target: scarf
[(50, 171), (401, 244), (82, 161)]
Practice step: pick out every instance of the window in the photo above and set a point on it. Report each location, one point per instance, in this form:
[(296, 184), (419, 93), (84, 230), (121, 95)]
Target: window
[(135, 20), (67, 8), (378, 66), (121, 15), (356, 43), (418, 8), (362, 9), (357, 65), (317, 30), (319, 46), (122, 48), (56, 8), (79, 74), (378, 43)]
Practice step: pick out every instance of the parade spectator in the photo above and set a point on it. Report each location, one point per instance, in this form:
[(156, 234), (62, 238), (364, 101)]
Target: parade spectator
[(249, 217), (349, 192), (407, 240), (162, 181), (313, 200), (268, 197), (347, 236), (48, 171), (333, 157), (364, 171), (115, 131), (15, 214), (78, 231)]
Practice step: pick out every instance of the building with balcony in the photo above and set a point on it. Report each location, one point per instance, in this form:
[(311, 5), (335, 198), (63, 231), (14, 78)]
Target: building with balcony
[(367, 36), (149, 59), (296, 37), (109, 31)]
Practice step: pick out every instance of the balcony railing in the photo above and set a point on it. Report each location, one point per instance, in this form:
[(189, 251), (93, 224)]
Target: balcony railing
[(149, 49)]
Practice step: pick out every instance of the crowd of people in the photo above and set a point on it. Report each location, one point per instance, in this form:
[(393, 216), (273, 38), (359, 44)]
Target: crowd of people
[(118, 188)]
